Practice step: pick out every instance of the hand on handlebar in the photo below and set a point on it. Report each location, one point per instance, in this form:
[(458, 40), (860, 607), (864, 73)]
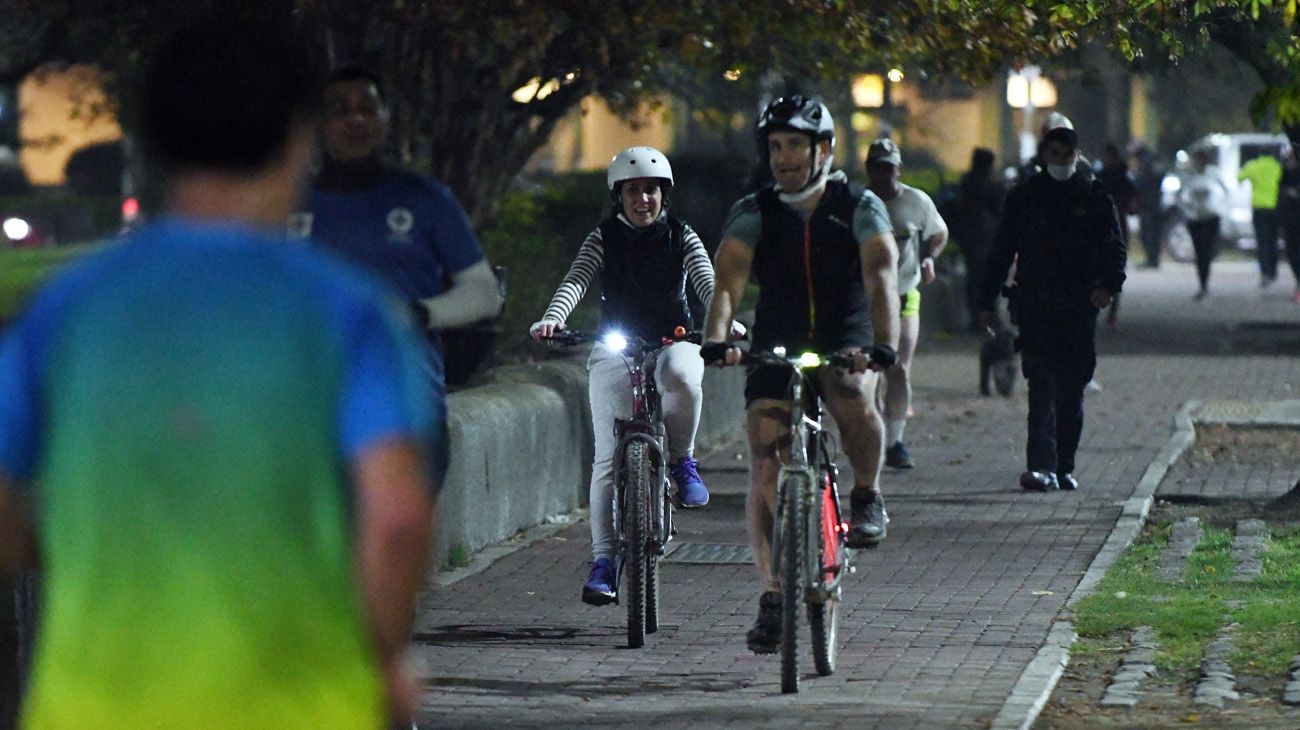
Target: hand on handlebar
[(879, 357), (718, 354), (544, 329)]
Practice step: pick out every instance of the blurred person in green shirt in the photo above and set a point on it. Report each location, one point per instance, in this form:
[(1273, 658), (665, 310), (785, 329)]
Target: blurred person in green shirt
[(1265, 175)]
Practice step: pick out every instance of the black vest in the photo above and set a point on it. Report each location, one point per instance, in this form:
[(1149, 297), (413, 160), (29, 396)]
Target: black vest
[(643, 279), (810, 274)]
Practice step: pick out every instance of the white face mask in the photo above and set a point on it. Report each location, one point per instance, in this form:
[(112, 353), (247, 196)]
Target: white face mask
[(1061, 172)]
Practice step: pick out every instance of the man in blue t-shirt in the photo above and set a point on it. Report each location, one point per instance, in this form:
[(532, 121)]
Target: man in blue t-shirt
[(217, 447), (406, 228)]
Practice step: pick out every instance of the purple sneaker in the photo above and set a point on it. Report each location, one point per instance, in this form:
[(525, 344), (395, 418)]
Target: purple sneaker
[(602, 584), (691, 492)]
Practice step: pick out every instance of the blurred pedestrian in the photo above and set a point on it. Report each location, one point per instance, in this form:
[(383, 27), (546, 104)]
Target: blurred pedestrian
[(406, 228), (1114, 176), (978, 205), (921, 235), (1201, 199), (1265, 175), (214, 446), (1147, 181), (1288, 207), (1062, 231)]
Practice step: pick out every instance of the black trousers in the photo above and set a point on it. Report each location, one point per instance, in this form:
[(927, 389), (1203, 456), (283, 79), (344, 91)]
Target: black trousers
[(1266, 222), (1059, 357), (1152, 223), (1205, 242), (1290, 217)]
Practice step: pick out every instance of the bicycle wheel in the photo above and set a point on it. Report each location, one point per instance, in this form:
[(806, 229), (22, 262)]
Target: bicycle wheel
[(659, 508), (792, 545), (636, 526), (824, 617)]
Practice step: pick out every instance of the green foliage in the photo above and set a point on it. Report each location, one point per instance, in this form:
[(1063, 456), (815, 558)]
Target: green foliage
[(457, 557), (1189, 614), (536, 233), (22, 271)]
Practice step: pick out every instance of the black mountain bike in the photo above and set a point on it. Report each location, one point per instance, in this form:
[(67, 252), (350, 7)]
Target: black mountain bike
[(643, 494)]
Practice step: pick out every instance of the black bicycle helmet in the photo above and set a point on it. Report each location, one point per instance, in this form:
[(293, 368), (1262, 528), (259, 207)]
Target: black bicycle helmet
[(796, 113)]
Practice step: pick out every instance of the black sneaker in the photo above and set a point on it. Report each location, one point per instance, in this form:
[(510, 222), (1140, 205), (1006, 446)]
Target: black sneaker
[(765, 637), (1039, 481), (1066, 481), (896, 456), (867, 519)]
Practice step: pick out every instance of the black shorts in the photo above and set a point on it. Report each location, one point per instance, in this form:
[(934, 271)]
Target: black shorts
[(773, 382)]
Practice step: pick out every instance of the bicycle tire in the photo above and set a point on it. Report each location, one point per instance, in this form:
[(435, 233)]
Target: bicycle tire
[(793, 537), (636, 482), (824, 617), (660, 507), (651, 592)]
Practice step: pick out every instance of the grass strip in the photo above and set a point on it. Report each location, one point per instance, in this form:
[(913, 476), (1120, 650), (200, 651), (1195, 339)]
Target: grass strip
[(1187, 615)]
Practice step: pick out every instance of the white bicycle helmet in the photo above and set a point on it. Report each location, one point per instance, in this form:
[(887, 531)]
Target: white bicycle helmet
[(635, 162)]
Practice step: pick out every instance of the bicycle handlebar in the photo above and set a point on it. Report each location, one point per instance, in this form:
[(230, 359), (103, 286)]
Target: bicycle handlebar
[(570, 338), (879, 357)]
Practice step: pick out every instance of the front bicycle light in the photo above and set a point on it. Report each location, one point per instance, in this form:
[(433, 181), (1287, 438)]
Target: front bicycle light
[(614, 341), (809, 360)]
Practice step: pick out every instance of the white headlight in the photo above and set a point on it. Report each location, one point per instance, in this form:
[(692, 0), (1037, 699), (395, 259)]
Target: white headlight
[(809, 360), (615, 341), (779, 351), (17, 229)]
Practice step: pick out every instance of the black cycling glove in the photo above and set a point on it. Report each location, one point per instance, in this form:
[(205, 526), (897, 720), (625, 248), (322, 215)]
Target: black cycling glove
[(712, 352), (882, 355)]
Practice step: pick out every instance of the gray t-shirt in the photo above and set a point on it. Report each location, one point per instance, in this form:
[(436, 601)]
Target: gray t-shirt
[(915, 220)]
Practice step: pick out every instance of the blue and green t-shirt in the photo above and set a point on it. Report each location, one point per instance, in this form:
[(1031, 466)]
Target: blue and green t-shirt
[(184, 407)]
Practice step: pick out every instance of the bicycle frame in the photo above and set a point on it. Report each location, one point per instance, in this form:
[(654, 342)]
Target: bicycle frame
[(646, 424), (807, 435)]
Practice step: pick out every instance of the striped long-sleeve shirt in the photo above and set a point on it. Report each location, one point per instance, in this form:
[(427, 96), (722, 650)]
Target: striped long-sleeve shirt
[(587, 264)]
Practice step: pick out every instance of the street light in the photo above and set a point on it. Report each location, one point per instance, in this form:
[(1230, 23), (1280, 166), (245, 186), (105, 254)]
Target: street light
[(1028, 89)]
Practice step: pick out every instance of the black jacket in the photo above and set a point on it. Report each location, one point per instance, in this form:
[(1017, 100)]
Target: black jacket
[(1064, 238), (643, 279), (809, 274)]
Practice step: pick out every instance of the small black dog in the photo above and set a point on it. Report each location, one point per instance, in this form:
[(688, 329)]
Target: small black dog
[(998, 358)]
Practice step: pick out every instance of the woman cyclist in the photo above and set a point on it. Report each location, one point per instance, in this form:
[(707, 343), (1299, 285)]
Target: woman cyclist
[(644, 258)]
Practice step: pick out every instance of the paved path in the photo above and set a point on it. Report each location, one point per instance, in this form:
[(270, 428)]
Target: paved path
[(941, 620)]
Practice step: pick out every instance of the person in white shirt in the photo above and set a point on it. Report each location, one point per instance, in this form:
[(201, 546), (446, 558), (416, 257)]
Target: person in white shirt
[(921, 235)]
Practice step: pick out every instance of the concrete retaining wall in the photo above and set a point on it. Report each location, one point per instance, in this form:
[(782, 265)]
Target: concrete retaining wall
[(521, 448)]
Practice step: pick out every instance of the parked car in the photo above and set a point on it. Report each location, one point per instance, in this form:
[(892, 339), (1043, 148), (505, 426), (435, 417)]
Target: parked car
[(1228, 152)]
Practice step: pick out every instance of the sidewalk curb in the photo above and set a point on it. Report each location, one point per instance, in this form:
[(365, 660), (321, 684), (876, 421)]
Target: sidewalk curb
[(1039, 678)]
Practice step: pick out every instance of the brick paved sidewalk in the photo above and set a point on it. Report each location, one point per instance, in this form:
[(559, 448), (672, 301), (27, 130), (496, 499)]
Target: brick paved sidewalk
[(941, 620)]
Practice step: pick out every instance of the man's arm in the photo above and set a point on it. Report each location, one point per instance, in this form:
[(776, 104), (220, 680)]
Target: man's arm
[(933, 246), (395, 514), (474, 295), (18, 551), (880, 276), (1005, 244), (731, 270)]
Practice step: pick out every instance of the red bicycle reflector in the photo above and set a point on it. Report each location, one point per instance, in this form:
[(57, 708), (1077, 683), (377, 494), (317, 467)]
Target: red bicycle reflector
[(130, 209)]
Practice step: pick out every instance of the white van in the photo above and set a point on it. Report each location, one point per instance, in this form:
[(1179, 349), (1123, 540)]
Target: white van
[(1228, 152)]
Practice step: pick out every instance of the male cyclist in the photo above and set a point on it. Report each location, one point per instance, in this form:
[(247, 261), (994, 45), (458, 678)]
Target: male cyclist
[(823, 254)]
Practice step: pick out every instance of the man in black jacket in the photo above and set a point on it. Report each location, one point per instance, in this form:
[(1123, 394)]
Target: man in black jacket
[(1062, 232)]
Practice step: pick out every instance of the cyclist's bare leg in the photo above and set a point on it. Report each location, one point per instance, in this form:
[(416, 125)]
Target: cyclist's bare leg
[(767, 424), (850, 401)]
